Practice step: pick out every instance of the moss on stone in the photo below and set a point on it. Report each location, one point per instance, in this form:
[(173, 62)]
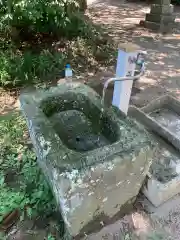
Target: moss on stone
[(119, 164)]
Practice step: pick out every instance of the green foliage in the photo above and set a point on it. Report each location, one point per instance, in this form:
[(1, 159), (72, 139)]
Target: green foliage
[(9, 200), (17, 69), (27, 67), (30, 20), (50, 237), (157, 236), (30, 32), (39, 15), (2, 236), (26, 189)]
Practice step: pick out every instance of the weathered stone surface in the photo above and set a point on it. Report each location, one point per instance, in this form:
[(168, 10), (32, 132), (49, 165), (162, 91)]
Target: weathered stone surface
[(92, 183), (162, 9), (158, 192), (167, 127), (162, 2), (160, 18), (163, 181), (158, 27)]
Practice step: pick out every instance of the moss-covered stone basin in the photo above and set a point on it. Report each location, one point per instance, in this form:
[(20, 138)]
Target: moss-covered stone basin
[(79, 123), (94, 160)]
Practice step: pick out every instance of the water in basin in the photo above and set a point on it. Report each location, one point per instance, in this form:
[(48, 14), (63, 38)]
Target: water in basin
[(77, 131), (80, 124)]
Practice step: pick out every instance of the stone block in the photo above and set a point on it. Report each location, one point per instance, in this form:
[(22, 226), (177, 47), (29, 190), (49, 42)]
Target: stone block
[(95, 161), (162, 9), (162, 2), (164, 28), (158, 193), (160, 18)]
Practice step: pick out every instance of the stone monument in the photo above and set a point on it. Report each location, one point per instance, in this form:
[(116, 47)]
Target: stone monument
[(161, 16)]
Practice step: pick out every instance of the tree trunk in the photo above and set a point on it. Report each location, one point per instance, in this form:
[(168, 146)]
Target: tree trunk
[(83, 5)]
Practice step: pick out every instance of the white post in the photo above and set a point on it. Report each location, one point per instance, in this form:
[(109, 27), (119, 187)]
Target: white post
[(127, 55)]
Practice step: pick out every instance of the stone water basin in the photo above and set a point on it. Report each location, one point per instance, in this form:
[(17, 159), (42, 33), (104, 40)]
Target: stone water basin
[(167, 118), (163, 116), (95, 161), (163, 181)]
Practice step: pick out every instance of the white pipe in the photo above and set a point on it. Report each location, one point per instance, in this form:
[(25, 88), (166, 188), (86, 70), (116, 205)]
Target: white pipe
[(130, 78)]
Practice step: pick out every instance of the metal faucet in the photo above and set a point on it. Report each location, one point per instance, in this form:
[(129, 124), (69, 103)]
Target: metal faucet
[(140, 63), (128, 78)]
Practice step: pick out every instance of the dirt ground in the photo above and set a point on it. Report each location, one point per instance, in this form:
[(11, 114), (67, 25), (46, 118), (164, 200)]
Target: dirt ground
[(121, 19)]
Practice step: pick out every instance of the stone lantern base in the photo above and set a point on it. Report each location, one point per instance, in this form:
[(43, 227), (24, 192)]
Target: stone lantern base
[(161, 16)]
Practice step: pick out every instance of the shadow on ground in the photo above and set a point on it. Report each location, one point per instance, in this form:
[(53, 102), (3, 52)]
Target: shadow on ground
[(121, 20)]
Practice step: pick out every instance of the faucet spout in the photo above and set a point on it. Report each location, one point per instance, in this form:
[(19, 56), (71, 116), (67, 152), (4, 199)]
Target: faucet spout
[(128, 78)]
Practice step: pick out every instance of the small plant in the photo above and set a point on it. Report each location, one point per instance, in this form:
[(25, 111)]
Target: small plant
[(18, 69), (50, 237), (9, 201), (2, 236), (157, 236), (26, 189)]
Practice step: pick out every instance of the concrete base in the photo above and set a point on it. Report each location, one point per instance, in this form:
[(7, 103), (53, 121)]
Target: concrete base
[(163, 182), (158, 192), (157, 27), (163, 19)]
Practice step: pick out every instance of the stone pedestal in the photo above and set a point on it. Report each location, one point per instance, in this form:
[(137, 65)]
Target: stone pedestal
[(161, 16)]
